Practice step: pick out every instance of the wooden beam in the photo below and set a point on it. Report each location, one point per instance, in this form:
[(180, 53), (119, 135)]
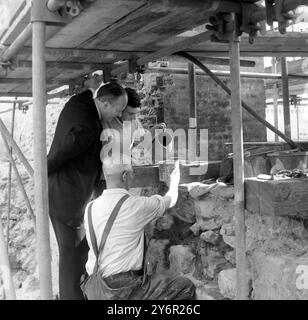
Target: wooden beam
[(222, 61), (167, 51), (29, 80), (253, 53), (100, 55), (12, 101), (275, 77), (64, 65), (16, 94)]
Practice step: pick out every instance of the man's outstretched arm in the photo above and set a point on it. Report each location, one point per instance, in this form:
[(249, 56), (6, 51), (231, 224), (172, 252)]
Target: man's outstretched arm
[(171, 196)]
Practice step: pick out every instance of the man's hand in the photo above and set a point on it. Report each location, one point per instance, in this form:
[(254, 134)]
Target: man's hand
[(175, 175)]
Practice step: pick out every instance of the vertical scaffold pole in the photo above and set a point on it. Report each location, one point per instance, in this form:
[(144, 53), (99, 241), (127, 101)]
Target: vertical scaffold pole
[(192, 96), (40, 158), (275, 97), (238, 164), (285, 94), (10, 181), (5, 269)]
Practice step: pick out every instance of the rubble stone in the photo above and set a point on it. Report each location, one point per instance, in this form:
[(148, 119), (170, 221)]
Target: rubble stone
[(212, 212), (223, 192), (210, 237), (227, 283), (230, 256), (182, 260), (215, 262)]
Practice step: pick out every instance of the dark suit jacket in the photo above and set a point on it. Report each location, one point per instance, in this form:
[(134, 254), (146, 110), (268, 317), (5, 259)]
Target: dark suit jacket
[(74, 165)]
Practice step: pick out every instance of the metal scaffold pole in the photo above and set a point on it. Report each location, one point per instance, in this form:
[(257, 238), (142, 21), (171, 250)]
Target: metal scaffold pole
[(10, 181), (192, 95), (40, 158), (285, 94), (238, 167)]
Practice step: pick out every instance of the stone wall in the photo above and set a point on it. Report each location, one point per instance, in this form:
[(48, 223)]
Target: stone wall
[(196, 239)]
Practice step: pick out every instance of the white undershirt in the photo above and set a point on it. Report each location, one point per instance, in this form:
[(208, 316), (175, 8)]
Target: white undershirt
[(123, 250)]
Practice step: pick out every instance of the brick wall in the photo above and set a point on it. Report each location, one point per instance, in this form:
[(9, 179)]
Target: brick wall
[(168, 96), (214, 110)]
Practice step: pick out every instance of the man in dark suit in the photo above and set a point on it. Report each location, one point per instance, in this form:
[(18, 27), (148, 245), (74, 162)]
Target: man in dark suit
[(74, 170)]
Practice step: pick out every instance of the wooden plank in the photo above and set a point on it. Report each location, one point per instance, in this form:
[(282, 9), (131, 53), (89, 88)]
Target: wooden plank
[(94, 54), (246, 52), (180, 46), (64, 65), (277, 197), (25, 80), (252, 198), (94, 19)]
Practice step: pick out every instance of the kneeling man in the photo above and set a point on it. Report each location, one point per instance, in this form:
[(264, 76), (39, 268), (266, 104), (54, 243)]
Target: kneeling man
[(118, 266)]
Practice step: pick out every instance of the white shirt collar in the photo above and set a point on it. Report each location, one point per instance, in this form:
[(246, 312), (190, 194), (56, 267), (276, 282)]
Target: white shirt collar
[(93, 91), (115, 190), (98, 111)]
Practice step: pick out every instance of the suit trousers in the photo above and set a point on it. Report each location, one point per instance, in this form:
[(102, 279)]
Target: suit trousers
[(73, 255)]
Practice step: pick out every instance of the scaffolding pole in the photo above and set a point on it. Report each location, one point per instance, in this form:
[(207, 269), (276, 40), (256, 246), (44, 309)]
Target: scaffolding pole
[(238, 169), (244, 105), (13, 144), (18, 177), (5, 269), (40, 158), (285, 94), (192, 96), (275, 98), (10, 180)]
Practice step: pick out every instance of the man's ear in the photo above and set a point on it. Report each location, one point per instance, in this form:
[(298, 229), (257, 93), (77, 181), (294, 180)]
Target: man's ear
[(125, 176)]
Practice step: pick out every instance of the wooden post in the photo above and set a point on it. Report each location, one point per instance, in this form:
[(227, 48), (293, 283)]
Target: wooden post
[(238, 169), (10, 180), (285, 93), (40, 158), (192, 96), (5, 269)]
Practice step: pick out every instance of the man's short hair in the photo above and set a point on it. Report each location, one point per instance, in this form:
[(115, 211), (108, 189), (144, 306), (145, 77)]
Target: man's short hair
[(112, 167), (133, 98), (110, 91)]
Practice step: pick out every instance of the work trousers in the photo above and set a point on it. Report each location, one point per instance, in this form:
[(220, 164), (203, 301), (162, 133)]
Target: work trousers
[(133, 286), (73, 255)]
